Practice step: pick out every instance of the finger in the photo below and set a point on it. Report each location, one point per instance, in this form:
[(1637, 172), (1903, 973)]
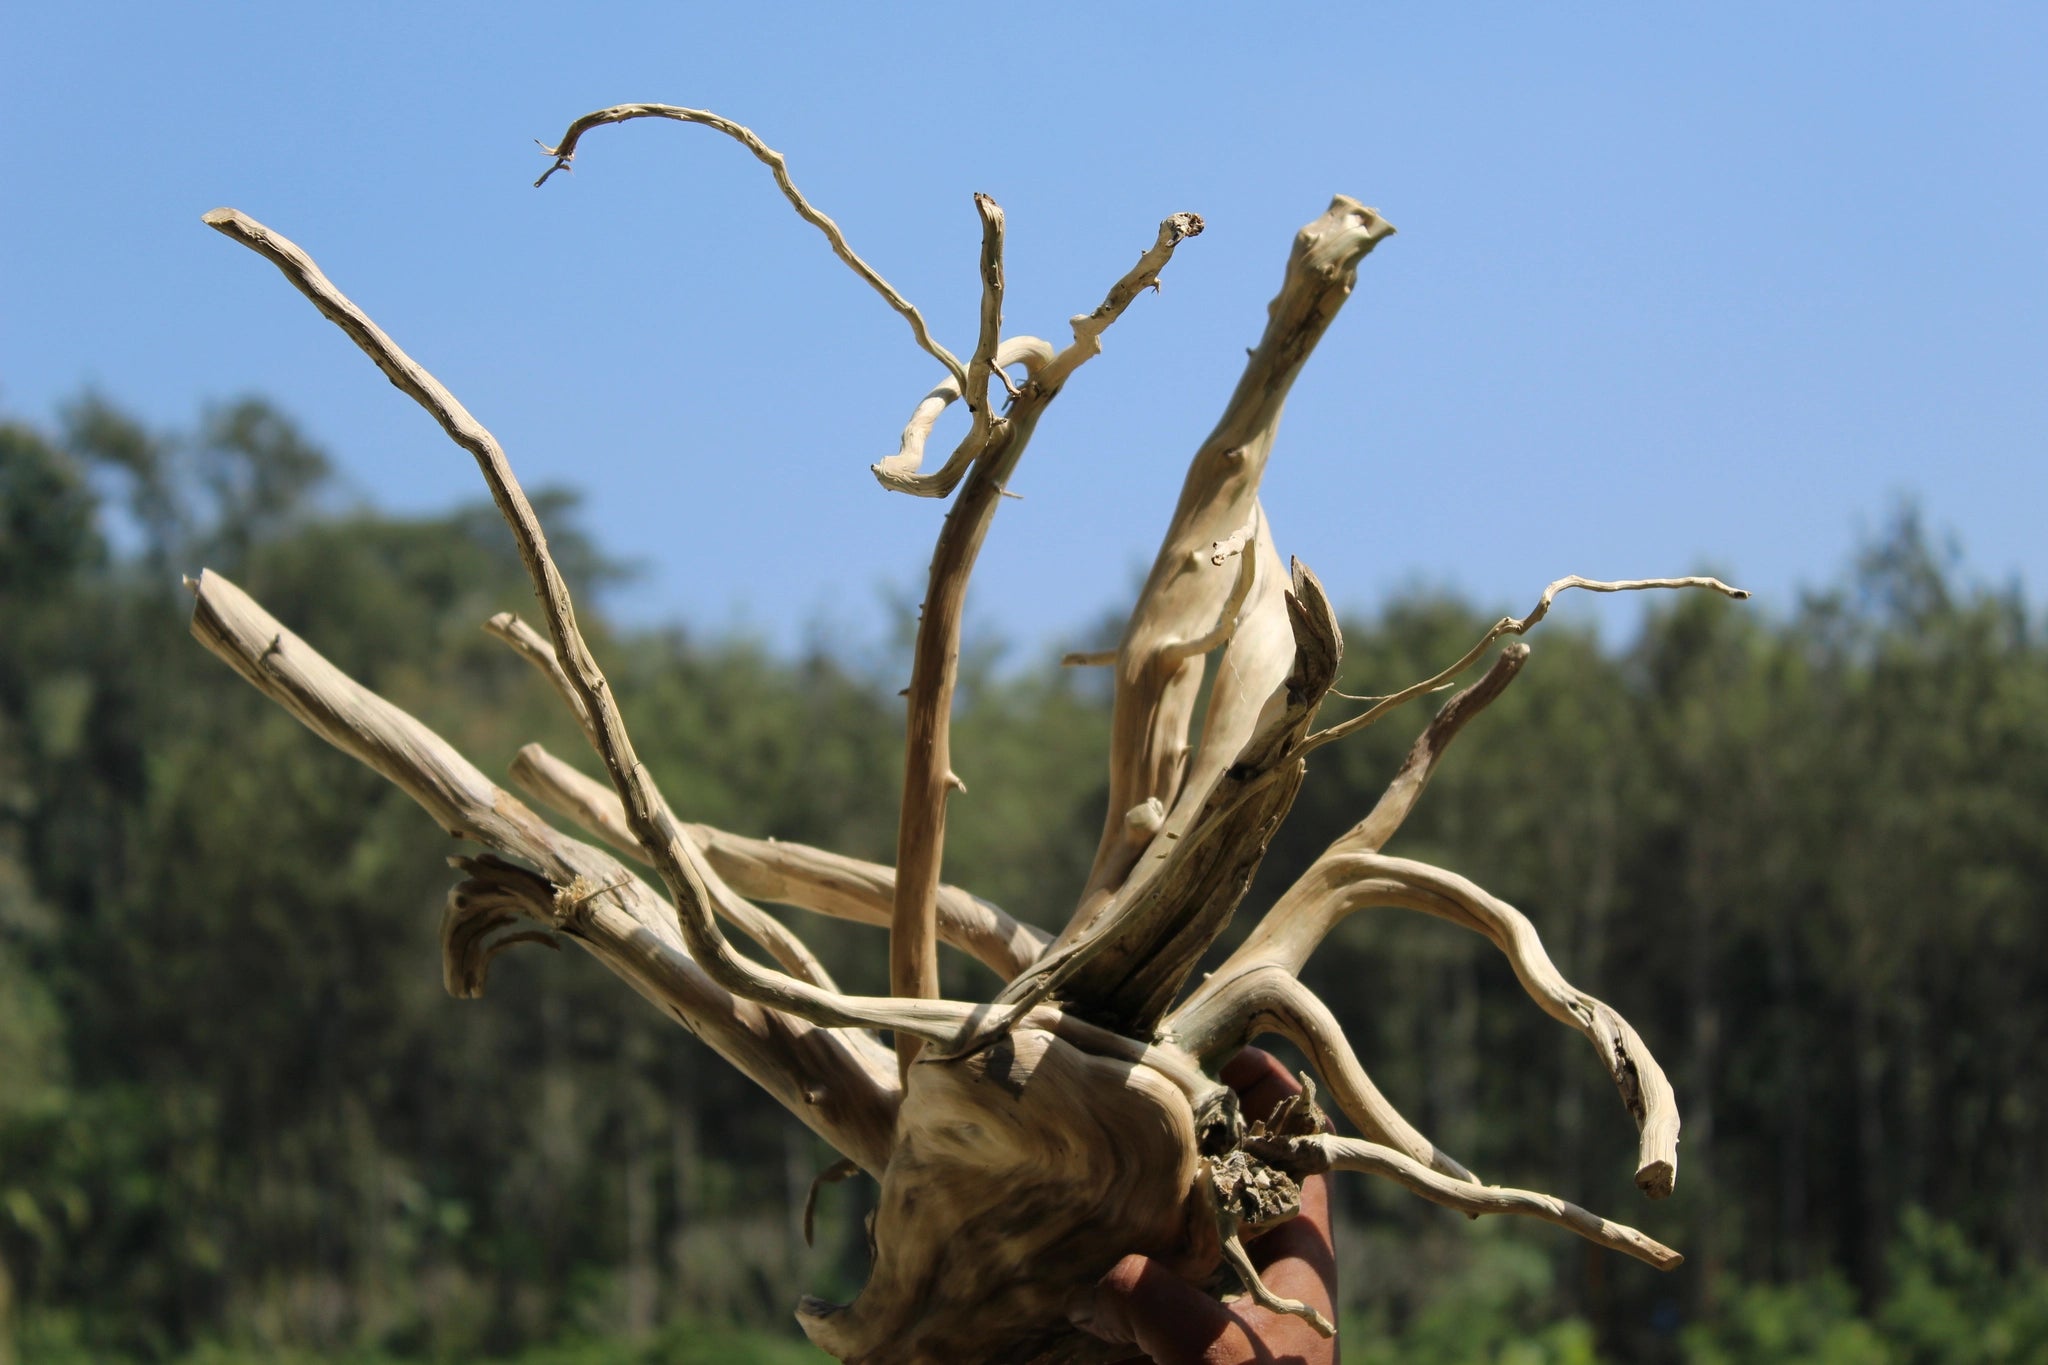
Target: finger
[(1141, 1304), (1301, 1250), (1260, 1081)]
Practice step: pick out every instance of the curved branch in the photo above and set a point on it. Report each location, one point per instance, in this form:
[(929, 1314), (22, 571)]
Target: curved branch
[(899, 472), (564, 152), (786, 873), (1312, 1155), (1509, 625), (1236, 1007), (839, 1082), (1335, 887), (682, 870)]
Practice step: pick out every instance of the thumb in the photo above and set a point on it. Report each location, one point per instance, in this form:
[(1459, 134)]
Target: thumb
[(1142, 1304)]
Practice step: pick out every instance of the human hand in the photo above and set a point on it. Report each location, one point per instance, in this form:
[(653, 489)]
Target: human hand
[(1141, 1303)]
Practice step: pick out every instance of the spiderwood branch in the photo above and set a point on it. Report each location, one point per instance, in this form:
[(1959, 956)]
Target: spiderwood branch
[(564, 152), (1336, 886), (928, 777), (786, 873), (1509, 625), (1089, 327), (682, 870), (1153, 706), (789, 951), (1126, 971), (1370, 835), (1315, 1154), (839, 1082), (1259, 999), (900, 472)]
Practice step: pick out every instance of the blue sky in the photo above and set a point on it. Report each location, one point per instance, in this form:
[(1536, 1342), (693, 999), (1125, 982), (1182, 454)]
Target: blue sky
[(1675, 286)]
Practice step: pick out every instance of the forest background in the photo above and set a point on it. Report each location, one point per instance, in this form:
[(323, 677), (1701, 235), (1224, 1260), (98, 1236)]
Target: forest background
[(1731, 287), (240, 1121)]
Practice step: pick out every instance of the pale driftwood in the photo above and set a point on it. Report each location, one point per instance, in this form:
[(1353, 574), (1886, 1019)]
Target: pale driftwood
[(789, 951), (682, 870), (1128, 967), (928, 776), (564, 152), (838, 1082), (1184, 593), (900, 473), (1308, 1155), (786, 873), (1337, 886), (1239, 1005), (1513, 625), (1031, 1142)]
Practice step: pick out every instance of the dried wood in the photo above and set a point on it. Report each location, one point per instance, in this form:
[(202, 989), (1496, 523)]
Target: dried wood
[(1026, 1145)]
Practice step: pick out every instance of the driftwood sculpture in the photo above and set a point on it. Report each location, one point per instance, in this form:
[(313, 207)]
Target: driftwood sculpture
[(1023, 1144)]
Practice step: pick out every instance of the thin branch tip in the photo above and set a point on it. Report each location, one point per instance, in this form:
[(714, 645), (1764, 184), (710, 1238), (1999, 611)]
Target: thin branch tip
[(777, 165), (1512, 625)]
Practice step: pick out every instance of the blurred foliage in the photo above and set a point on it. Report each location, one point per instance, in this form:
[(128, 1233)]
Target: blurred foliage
[(239, 1120)]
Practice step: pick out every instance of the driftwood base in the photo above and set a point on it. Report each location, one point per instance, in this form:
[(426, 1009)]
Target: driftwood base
[(1020, 1175)]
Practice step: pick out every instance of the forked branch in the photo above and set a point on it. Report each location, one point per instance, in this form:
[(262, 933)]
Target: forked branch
[(1510, 625), (928, 776)]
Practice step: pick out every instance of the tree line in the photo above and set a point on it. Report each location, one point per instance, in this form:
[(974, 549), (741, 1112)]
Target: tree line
[(1798, 846)]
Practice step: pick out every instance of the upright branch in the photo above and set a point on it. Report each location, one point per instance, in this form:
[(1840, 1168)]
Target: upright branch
[(928, 775), (564, 152), (1157, 684), (929, 778), (1130, 964)]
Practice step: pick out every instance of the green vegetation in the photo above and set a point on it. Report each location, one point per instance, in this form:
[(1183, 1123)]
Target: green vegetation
[(1799, 847)]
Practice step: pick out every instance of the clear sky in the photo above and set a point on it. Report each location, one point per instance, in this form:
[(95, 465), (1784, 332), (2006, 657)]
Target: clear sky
[(1675, 286)]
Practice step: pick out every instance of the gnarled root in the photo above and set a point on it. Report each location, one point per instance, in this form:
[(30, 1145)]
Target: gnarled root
[(1020, 1174)]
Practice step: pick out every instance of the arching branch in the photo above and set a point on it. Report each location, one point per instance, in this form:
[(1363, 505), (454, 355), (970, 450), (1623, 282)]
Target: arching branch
[(1337, 886), (564, 152), (1238, 1006), (928, 776), (1313, 1155)]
